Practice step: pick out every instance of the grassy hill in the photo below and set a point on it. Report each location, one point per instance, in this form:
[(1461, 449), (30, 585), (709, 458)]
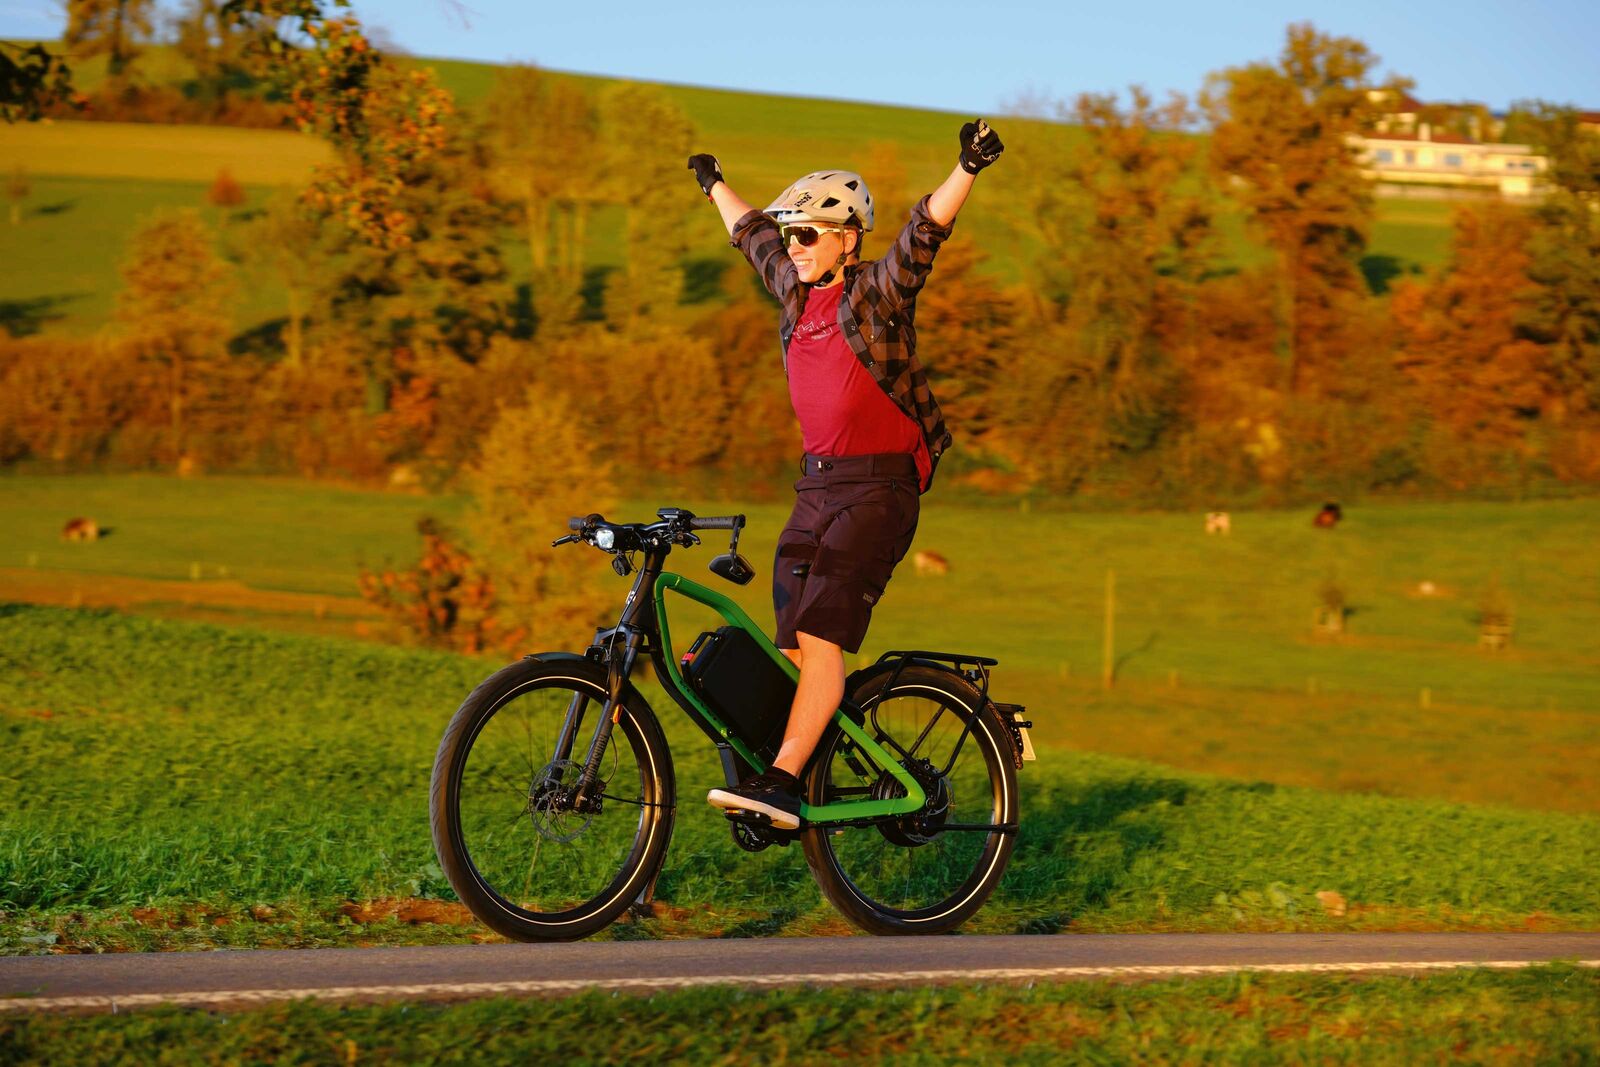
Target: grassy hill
[(180, 785), (94, 181)]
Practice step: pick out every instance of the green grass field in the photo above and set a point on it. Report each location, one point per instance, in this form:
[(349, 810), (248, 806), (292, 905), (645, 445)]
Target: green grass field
[(1217, 668), (1541, 1015), (179, 785)]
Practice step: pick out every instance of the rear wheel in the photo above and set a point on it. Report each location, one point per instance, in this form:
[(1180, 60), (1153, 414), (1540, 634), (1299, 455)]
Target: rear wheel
[(929, 872), (528, 859)]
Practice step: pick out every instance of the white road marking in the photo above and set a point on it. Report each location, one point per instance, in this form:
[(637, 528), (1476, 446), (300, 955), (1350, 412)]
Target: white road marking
[(236, 997)]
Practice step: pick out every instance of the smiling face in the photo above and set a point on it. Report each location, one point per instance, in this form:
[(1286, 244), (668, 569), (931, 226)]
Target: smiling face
[(813, 261)]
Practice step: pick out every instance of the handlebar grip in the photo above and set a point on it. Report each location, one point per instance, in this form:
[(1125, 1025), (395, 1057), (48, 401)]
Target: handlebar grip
[(575, 523), (588, 520), (717, 522)]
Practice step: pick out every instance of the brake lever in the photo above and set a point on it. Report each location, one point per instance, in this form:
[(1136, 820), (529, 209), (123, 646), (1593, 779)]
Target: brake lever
[(567, 540)]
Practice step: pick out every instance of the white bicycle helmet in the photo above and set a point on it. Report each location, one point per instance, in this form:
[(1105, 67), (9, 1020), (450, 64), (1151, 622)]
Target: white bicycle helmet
[(838, 196)]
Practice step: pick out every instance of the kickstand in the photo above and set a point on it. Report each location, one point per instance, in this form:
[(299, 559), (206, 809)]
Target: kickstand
[(644, 907)]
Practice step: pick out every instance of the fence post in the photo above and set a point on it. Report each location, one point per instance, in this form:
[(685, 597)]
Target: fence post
[(1108, 662)]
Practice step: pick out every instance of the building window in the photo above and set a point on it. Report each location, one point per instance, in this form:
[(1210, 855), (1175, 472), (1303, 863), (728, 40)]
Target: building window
[(1411, 156), (1384, 155), (1452, 159)]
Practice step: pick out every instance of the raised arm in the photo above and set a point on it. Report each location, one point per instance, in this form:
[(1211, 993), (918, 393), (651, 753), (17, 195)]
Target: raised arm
[(757, 239), (980, 146), (708, 172), (902, 271)]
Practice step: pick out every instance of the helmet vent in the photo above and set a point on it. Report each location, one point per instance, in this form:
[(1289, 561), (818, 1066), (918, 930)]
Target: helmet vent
[(852, 185), (830, 202)]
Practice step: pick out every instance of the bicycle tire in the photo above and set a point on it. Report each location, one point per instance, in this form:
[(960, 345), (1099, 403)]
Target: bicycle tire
[(487, 823), (871, 873)]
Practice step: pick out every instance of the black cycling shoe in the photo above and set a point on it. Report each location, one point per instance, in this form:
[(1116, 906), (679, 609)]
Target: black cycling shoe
[(775, 794)]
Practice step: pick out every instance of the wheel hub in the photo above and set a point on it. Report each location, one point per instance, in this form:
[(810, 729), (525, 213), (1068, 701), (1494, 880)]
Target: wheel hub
[(552, 806), (923, 825)]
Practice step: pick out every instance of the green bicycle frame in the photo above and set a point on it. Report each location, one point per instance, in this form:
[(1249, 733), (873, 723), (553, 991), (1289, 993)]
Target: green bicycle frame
[(837, 812)]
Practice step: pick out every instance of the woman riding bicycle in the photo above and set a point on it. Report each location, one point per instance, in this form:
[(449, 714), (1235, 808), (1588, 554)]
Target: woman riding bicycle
[(871, 429)]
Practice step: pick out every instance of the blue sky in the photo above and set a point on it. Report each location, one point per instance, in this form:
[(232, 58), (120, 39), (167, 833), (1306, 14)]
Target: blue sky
[(976, 56)]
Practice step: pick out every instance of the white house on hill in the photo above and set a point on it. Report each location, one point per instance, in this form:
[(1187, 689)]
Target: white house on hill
[(1449, 160)]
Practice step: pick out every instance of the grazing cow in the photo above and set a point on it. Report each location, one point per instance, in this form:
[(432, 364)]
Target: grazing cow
[(1329, 516), (1217, 522), (930, 563), (81, 530)]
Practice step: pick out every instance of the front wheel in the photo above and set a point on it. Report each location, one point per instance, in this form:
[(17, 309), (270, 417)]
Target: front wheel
[(929, 872), (529, 858)]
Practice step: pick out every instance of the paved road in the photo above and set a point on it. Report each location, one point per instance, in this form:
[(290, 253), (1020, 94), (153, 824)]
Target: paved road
[(236, 979)]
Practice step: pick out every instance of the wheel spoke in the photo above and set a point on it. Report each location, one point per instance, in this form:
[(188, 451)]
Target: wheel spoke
[(509, 881), (946, 868)]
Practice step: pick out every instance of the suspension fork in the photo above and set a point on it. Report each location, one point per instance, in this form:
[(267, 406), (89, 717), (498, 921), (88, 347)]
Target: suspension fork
[(634, 627), (621, 664)]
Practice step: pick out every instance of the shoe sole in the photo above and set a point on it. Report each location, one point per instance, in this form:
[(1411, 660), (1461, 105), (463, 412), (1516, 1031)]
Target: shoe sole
[(782, 820)]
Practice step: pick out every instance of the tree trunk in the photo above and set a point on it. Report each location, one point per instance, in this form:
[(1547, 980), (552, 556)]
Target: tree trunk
[(1286, 321), (175, 402), (295, 340), (537, 211)]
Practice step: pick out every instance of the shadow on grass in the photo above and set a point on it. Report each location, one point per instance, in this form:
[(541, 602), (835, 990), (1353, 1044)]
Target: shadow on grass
[(22, 318), (1079, 844), (765, 926), (59, 207)]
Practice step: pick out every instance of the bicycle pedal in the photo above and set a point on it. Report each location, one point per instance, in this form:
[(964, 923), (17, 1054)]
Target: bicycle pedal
[(749, 818)]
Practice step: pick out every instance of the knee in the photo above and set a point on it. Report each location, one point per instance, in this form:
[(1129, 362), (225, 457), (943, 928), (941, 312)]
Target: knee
[(819, 652)]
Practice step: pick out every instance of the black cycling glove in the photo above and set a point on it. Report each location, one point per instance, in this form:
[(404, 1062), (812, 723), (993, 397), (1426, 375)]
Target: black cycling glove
[(707, 171), (980, 146)]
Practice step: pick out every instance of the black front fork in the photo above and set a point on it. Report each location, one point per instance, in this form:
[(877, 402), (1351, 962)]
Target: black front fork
[(632, 633)]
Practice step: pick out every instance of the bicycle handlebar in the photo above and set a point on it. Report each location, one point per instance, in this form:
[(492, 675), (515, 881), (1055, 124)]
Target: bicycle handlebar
[(674, 522), (717, 522)]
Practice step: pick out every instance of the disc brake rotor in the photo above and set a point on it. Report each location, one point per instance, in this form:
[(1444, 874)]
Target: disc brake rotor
[(550, 801)]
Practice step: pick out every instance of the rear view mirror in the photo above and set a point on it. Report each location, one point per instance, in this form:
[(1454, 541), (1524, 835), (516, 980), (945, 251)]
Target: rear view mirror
[(734, 567)]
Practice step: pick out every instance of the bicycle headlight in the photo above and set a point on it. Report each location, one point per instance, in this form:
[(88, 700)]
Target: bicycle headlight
[(606, 539)]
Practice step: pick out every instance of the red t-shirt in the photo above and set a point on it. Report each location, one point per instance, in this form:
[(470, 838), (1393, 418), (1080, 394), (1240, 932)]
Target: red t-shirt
[(842, 410)]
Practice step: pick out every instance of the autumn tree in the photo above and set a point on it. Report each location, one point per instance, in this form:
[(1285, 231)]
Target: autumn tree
[(1282, 143), (537, 468), (285, 243), (1563, 312), (647, 138), (1476, 382), (62, 399), (544, 147), (173, 315), (444, 600), (1128, 241), (223, 50), (112, 28), (32, 81), (225, 190)]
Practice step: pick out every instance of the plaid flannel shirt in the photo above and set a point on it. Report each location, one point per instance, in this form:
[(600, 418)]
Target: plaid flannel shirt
[(877, 314)]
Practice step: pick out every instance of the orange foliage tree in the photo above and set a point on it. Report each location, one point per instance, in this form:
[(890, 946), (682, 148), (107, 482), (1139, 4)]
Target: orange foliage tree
[(1474, 380), (537, 468), (443, 601), (1281, 143), (1126, 245), (173, 313)]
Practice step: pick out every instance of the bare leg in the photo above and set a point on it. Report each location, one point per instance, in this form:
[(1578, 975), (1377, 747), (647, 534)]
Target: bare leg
[(815, 700)]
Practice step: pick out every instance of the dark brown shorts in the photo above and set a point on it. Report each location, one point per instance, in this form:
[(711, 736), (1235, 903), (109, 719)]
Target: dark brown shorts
[(853, 520)]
